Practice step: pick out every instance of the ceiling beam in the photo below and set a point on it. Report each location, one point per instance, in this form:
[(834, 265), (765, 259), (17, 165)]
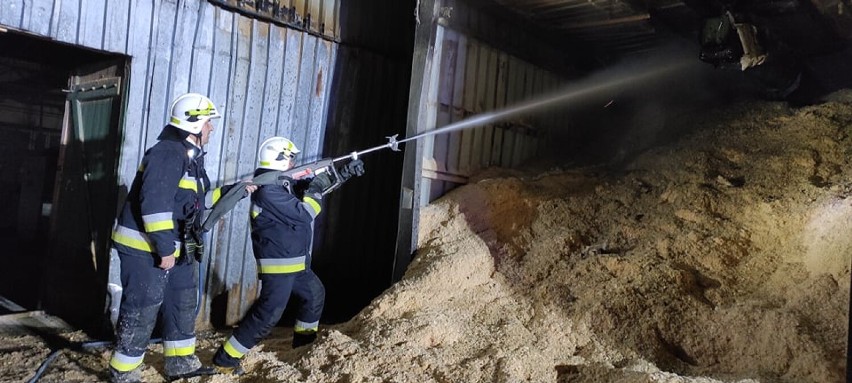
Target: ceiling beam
[(617, 22)]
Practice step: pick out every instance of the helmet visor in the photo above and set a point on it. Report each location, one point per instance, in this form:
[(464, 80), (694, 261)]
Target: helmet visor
[(285, 155), (193, 115)]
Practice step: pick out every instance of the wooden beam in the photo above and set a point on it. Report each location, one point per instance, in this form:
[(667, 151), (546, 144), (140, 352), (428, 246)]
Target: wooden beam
[(444, 176), (421, 68), (609, 22)]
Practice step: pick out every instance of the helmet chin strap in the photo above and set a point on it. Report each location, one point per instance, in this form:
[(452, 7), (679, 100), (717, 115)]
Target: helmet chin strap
[(196, 140)]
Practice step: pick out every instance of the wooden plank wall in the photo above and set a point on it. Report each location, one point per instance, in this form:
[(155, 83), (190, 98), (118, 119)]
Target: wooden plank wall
[(265, 79), (470, 78)]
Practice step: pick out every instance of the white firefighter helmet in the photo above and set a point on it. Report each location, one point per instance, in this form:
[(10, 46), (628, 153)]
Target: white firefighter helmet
[(274, 152), (190, 111)]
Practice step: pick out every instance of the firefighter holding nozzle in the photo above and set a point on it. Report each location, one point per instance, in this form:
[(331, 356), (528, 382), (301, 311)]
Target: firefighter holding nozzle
[(282, 219)]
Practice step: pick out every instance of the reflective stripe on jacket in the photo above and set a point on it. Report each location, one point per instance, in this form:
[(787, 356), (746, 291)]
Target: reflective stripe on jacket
[(282, 228), (169, 188)]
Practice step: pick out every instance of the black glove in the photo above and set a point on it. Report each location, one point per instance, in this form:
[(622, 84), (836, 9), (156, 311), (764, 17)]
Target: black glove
[(319, 183), (354, 168)]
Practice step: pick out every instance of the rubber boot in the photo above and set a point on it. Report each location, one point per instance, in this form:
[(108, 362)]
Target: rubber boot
[(234, 371), (132, 376), (225, 364), (178, 367), (303, 338)]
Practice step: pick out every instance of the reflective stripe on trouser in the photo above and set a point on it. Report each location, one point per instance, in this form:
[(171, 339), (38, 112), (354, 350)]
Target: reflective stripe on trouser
[(303, 327), (125, 363), (280, 265), (233, 348), (148, 290), (310, 290), (184, 347), (267, 310)]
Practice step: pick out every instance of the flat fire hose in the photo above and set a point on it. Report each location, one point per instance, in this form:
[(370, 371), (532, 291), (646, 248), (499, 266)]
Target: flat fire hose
[(234, 195)]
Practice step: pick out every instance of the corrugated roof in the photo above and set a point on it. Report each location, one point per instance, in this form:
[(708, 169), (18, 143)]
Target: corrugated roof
[(608, 28), (613, 29)]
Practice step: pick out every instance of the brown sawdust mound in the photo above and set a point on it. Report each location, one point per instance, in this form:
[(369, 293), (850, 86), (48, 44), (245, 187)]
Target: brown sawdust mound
[(724, 256)]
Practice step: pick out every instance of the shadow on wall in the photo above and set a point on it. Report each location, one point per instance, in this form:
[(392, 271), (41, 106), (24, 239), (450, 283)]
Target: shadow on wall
[(823, 75), (76, 268), (355, 239)]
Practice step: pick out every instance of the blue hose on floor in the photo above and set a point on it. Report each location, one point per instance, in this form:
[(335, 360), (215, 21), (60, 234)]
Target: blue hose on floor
[(103, 343), (75, 346)]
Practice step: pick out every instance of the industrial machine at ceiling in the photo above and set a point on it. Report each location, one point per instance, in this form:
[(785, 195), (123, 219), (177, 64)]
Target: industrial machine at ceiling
[(771, 40)]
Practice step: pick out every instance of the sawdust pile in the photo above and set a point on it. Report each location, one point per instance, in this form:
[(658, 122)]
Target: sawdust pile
[(724, 256)]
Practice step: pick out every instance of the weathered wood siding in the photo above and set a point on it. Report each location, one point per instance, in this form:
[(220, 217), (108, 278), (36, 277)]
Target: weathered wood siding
[(266, 79)]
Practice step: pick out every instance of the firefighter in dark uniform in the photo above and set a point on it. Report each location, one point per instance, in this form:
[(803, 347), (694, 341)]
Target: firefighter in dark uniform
[(282, 235), (158, 241)]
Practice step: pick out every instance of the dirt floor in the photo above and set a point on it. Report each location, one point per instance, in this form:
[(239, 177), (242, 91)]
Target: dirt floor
[(721, 257)]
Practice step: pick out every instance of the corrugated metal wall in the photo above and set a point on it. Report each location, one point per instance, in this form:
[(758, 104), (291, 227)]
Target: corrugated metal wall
[(266, 79), (471, 78), (355, 260), (315, 16), (369, 101), (468, 59)]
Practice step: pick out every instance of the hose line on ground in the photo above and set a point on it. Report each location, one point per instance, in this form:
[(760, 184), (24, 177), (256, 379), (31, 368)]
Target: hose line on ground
[(82, 346)]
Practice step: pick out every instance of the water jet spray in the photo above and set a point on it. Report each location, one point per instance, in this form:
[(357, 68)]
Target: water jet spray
[(579, 90)]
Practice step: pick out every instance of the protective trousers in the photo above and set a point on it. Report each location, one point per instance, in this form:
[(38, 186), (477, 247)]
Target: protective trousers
[(147, 290), (268, 309)]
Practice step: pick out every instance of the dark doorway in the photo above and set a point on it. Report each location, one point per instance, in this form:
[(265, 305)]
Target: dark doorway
[(60, 118), (356, 235)]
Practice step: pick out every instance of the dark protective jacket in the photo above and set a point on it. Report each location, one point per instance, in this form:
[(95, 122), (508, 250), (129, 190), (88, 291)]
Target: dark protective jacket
[(282, 227), (168, 193)]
